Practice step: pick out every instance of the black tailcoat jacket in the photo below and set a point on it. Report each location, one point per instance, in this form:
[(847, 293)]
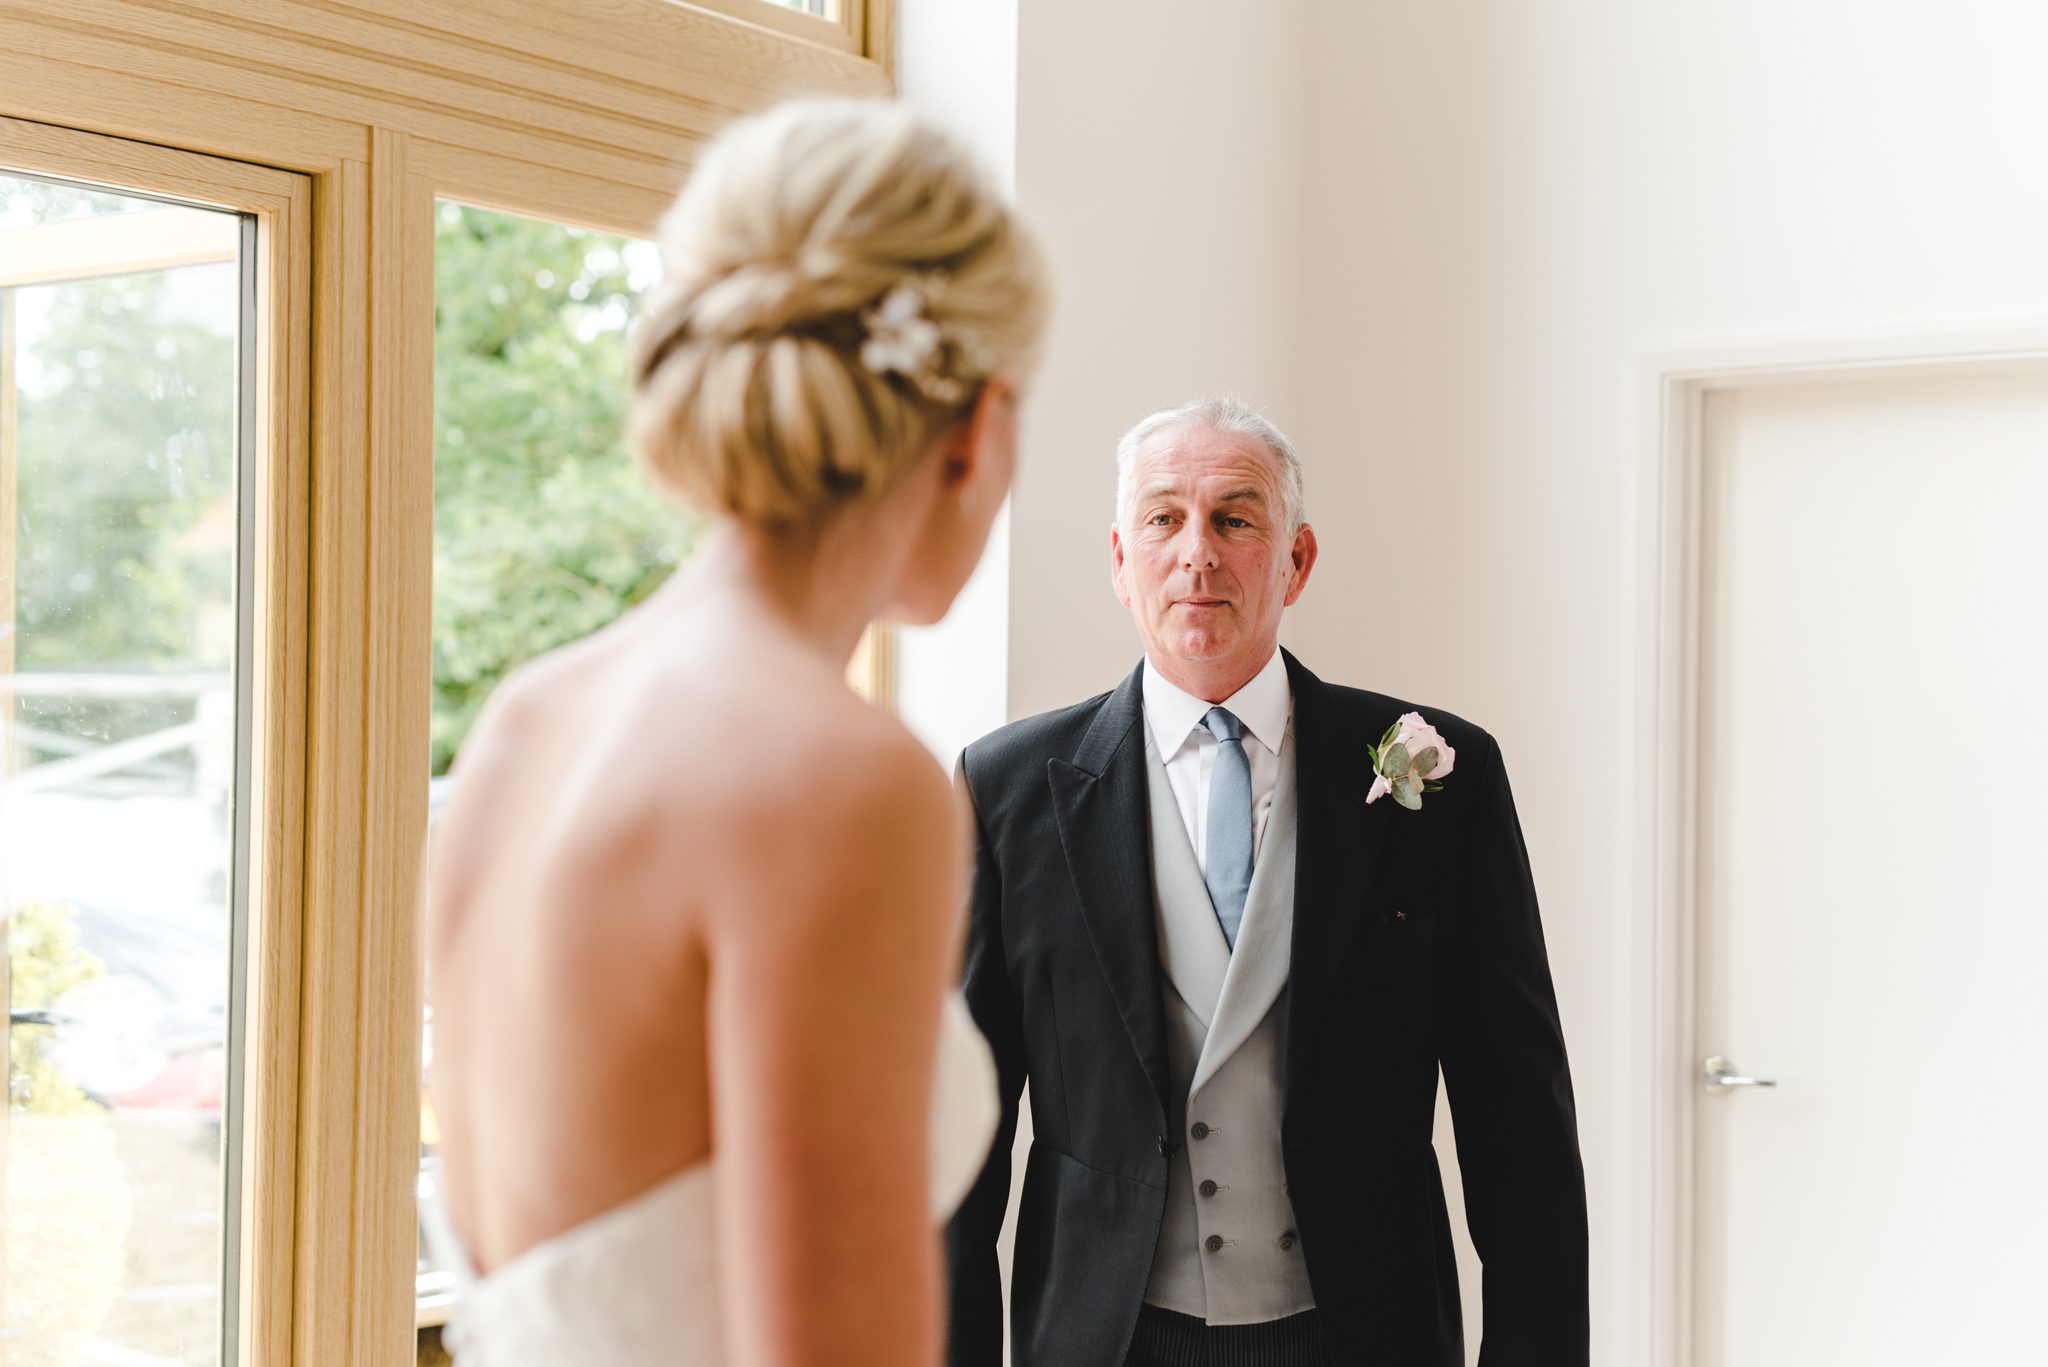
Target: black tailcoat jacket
[(1417, 947)]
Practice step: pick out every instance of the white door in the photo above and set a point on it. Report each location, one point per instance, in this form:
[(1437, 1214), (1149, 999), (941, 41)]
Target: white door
[(1873, 865)]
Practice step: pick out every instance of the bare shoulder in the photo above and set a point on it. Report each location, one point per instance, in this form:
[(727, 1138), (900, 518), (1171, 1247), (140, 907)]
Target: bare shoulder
[(489, 756), (790, 745), (868, 773), (828, 807), (519, 710), (488, 753), (514, 708)]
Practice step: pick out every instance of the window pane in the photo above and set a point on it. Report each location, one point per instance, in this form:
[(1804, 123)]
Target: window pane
[(119, 423), (543, 529)]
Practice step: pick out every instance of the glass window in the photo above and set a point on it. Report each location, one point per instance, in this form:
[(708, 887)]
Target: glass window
[(543, 529), (121, 433)]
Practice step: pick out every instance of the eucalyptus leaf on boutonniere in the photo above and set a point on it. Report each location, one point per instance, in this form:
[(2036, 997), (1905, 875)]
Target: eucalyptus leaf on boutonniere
[(1409, 759)]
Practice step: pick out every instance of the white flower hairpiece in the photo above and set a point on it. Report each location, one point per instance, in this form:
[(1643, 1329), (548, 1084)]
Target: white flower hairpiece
[(903, 340)]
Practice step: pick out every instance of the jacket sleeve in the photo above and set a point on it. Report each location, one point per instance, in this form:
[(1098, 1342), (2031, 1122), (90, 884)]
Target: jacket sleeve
[(974, 1332), (1510, 1087)]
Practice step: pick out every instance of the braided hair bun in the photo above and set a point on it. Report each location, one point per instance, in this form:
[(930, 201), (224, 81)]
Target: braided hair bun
[(840, 281)]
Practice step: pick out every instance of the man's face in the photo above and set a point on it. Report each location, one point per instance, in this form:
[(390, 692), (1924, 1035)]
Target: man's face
[(1203, 555)]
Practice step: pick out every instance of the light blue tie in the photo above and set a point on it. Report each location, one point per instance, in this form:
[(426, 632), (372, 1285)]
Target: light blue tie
[(1227, 867)]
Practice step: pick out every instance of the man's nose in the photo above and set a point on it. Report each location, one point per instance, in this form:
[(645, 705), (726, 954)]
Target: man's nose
[(1198, 547)]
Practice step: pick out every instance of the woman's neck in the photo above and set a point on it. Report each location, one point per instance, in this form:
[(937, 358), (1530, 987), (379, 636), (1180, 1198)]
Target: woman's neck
[(822, 587)]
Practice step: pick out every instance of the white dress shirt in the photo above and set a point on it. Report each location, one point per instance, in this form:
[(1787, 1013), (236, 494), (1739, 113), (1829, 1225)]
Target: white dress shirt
[(1265, 706)]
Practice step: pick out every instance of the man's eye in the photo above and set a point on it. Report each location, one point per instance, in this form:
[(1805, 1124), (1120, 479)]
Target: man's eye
[(1235, 522), (1161, 519)]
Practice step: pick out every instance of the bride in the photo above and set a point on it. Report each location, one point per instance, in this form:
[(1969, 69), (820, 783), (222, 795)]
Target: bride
[(694, 911)]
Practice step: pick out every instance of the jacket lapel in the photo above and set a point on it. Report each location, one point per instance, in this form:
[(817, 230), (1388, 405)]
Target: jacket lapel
[(1339, 844), (1100, 805)]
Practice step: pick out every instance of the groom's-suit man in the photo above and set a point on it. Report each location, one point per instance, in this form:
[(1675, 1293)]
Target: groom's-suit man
[(1230, 974)]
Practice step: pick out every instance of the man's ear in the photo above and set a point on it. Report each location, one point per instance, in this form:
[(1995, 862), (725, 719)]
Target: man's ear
[(1302, 560), (1116, 564)]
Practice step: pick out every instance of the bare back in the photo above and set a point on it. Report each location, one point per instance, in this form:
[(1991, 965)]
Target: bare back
[(629, 810)]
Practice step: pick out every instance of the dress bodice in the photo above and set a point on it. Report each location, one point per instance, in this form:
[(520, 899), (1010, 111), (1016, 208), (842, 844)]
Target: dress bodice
[(638, 1284)]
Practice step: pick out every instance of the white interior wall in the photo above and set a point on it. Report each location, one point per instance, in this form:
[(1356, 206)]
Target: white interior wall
[(1509, 207), (959, 63), (1160, 152)]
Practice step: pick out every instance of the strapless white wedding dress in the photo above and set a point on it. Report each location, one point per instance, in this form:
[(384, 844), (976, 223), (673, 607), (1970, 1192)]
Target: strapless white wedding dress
[(638, 1285)]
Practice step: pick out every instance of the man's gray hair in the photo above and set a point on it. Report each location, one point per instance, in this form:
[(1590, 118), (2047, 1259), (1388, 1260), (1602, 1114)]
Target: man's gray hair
[(1227, 413)]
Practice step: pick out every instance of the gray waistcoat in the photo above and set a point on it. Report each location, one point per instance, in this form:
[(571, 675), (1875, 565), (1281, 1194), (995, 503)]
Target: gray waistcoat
[(1228, 1252)]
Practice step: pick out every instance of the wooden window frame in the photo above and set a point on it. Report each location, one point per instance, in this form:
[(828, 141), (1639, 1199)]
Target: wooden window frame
[(340, 127), (862, 29), (277, 471)]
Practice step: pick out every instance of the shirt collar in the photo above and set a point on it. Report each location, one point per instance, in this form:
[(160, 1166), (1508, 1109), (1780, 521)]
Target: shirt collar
[(1262, 705)]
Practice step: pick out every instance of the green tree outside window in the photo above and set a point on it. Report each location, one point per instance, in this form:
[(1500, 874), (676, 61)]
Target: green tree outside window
[(543, 529)]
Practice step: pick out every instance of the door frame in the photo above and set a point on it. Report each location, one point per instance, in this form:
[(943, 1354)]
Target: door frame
[(1672, 382)]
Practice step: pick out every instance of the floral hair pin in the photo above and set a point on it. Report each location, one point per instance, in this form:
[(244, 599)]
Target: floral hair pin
[(1409, 757), (903, 340)]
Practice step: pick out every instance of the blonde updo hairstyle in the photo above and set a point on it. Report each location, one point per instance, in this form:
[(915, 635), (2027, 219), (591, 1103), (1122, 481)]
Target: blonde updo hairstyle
[(759, 390)]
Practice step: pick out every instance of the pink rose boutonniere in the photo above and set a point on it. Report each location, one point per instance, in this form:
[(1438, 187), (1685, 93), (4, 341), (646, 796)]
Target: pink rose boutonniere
[(1408, 760)]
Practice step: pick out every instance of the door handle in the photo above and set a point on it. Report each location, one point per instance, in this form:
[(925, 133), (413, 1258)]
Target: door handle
[(1720, 1076)]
